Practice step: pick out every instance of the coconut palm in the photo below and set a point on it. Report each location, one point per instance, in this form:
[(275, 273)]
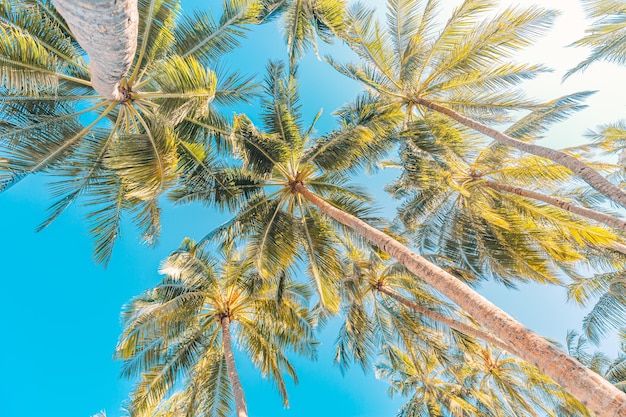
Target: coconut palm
[(472, 379), (281, 227), (284, 201), (486, 381), (476, 208), (111, 51), (428, 384), (514, 387), (462, 69), (385, 305), (121, 153), (182, 330), (373, 323)]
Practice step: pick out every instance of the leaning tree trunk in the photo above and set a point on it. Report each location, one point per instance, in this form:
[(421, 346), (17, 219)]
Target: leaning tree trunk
[(562, 204), (578, 167), (233, 376), (468, 330), (107, 31), (566, 205), (591, 389)]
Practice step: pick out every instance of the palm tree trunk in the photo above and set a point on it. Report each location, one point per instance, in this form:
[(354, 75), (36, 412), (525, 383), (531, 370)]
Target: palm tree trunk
[(468, 330), (562, 204), (578, 167), (600, 396), (565, 205), (107, 31), (233, 376)]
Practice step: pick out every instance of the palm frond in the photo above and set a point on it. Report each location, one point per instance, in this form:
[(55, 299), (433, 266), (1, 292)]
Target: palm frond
[(155, 33), (185, 89), (201, 36), (145, 162)]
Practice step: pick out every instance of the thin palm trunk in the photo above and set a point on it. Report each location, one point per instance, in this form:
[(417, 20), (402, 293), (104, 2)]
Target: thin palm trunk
[(468, 330), (566, 205), (562, 204), (591, 389), (107, 31), (618, 247), (233, 376), (578, 167)]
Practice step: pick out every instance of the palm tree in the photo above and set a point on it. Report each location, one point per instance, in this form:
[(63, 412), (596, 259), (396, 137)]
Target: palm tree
[(382, 300), (514, 387), (280, 226), (476, 380), (461, 69), (107, 30), (121, 153), (476, 208), (431, 388), (488, 381), (278, 186), (186, 324)]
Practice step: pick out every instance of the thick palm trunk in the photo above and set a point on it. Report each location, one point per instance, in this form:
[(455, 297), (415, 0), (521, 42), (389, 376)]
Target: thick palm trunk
[(468, 330), (107, 31), (578, 167), (562, 204), (591, 389), (233, 376)]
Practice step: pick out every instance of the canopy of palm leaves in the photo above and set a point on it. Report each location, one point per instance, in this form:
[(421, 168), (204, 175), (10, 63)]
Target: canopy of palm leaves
[(120, 156), (462, 68), (474, 381), (172, 338), (372, 323), (452, 210), (282, 228), (464, 63)]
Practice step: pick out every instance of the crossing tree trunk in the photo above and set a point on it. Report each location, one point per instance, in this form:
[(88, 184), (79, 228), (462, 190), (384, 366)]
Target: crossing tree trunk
[(596, 393)]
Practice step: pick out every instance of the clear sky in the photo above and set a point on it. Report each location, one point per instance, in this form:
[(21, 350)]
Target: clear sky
[(59, 313)]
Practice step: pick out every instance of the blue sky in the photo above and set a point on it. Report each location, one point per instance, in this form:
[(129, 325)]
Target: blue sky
[(60, 313)]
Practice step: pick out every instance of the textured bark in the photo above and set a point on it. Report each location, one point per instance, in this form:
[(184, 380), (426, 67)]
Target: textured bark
[(562, 204), (233, 376), (591, 389), (107, 31), (462, 327), (578, 167), (618, 247)]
